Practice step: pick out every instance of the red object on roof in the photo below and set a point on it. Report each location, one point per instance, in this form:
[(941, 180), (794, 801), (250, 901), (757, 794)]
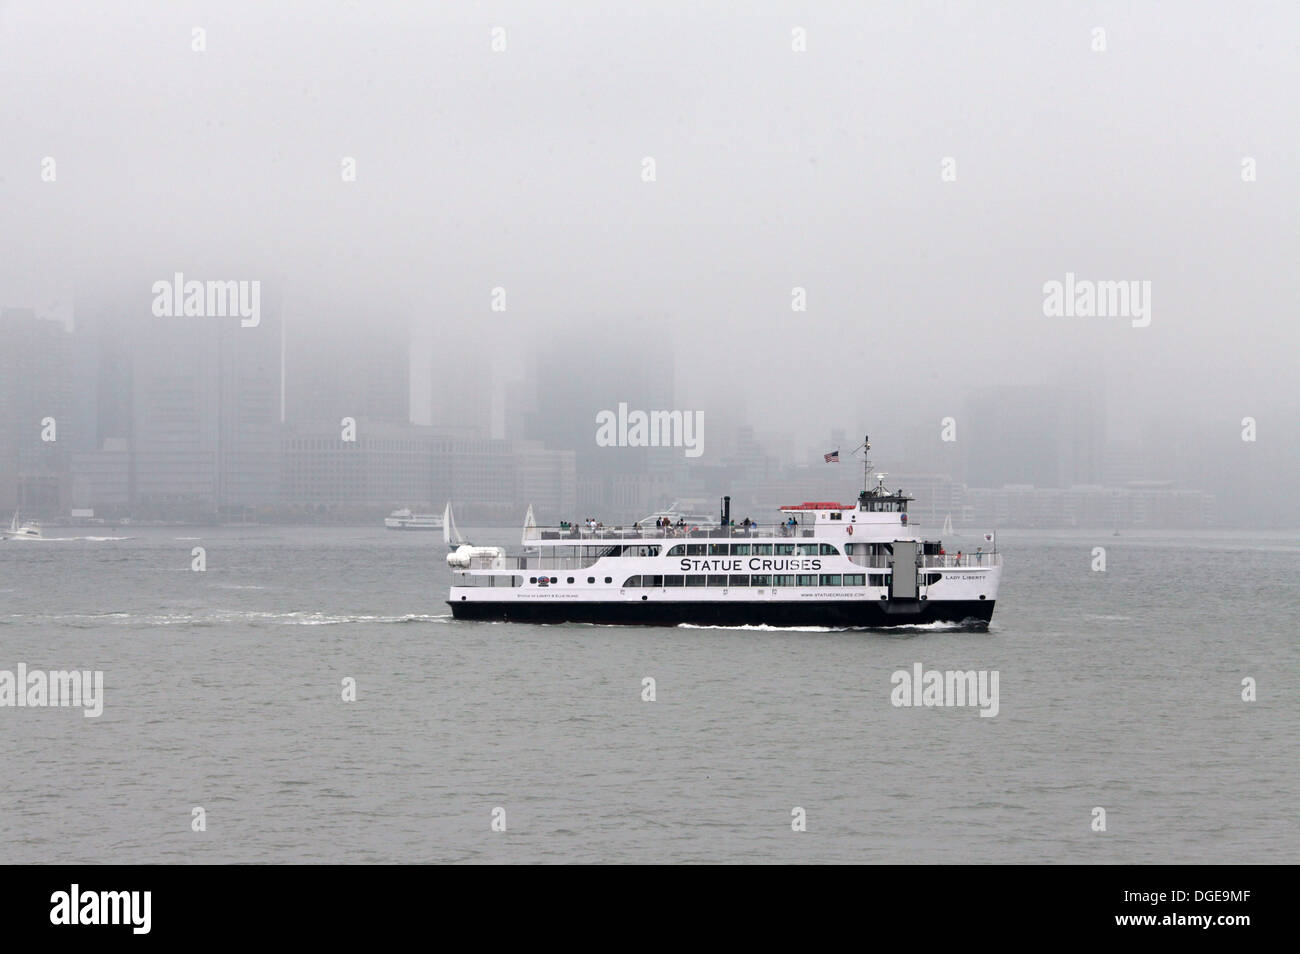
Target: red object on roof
[(820, 505)]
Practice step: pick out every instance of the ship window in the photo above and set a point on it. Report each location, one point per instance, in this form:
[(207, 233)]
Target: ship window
[(696, 549), (740, 549), (760, 580), (717, 580), (570, 579), (532, 579), (806, 580), (740, 580), (809, 549), (830, 579), (828, 550), (609, 579), (783, 549), (877, 579), (717, 549), (591, 579), (783, 580), (762, 549), (674, 580), (695, 580), (632, 581), (855, 579), (837, 516), (931, 578), (679, 550), (652, 581)]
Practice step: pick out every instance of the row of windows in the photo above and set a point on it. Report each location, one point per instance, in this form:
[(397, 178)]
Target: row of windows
[(745, 579), (753, 549)]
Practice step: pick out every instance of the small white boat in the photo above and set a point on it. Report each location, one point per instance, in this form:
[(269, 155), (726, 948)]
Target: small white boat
[(404, 519), (19, 530)]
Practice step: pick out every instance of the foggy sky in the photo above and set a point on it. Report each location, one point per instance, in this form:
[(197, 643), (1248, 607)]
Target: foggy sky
[(775, 169)]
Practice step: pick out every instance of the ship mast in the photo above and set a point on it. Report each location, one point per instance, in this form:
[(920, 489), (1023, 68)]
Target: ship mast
[(866, 462)]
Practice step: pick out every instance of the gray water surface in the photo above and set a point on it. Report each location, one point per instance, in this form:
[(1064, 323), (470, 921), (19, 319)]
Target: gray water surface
[(1119, 689)]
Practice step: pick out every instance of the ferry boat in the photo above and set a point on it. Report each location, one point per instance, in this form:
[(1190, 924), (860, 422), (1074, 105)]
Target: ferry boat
[(854, 565), (406, 520)]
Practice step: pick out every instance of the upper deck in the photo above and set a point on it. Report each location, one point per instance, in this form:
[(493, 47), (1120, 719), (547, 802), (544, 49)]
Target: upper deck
[(874, 517)]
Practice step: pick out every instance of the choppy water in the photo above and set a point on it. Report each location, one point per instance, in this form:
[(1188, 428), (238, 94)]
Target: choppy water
[(223, 690)]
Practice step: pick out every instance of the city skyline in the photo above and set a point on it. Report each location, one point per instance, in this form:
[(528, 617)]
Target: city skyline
[(177, 418)]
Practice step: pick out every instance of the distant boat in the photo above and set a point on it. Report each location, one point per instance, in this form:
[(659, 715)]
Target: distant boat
[(404, 519), (948, 531), (450, 535), (19, 530)]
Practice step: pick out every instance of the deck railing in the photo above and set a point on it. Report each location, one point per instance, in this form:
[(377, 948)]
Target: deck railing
[(578, 535)]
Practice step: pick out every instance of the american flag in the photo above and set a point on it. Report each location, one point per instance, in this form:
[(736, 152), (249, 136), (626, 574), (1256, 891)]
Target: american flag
[(833, 457)]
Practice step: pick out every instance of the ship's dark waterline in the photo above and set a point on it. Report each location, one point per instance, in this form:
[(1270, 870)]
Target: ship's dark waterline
[(855, 614)]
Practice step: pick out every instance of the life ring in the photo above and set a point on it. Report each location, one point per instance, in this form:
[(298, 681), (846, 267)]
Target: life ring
[(850, 529)]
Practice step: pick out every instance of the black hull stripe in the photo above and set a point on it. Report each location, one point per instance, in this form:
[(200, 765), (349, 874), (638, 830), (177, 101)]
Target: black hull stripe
[(862, 614)]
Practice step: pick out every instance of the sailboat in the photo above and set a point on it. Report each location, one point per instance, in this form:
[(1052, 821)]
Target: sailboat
[(948, 531), (463, 553), (21, 531), (450, 535)]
